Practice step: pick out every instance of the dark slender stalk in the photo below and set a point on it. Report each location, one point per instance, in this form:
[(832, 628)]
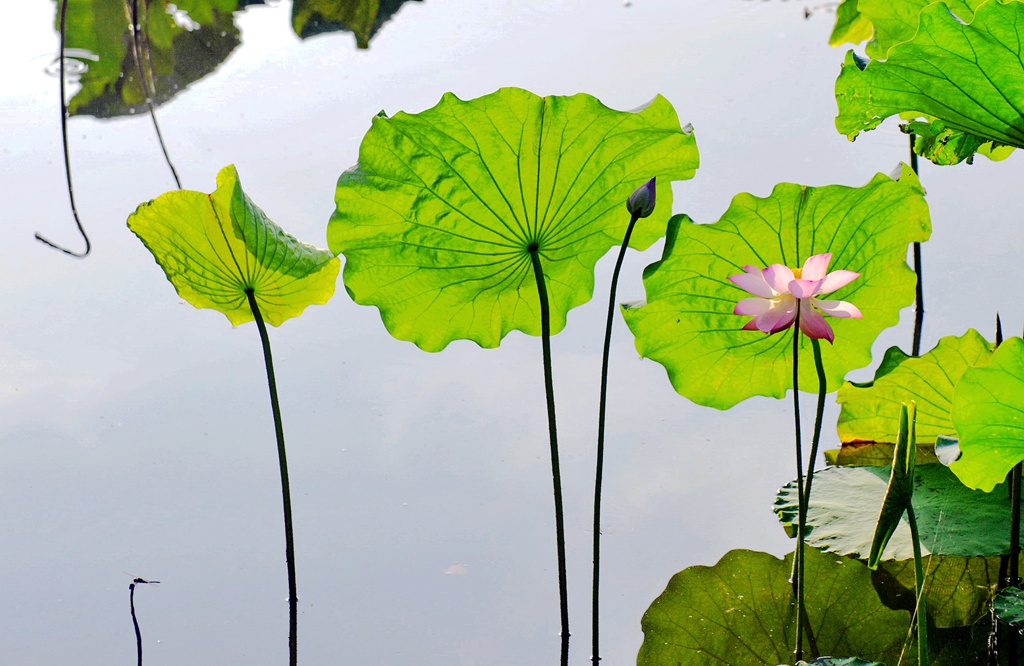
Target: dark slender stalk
[(798, 556), (556, 474), (1013, 637), (919, 299), (920, 611), (64, 139), (595, 654), (286, 496), (138, 633), (818, 416), (140, 48)]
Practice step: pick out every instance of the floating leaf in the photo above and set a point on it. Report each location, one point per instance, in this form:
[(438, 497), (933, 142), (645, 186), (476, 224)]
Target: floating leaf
[(900, 492), (964, 75), (742, 612), (363, 18), (952, 519), (688, 324), (438, 220), (870, 411), (1009, 606), (959, 589), (988, 412), (839, 661), (215, 247)]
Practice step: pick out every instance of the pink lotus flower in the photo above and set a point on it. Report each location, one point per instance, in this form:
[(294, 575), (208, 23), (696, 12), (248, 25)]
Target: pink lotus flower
[(780, 290)]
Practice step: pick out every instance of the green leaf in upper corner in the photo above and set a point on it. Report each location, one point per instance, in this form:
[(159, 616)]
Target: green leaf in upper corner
[(959, 589), (184, 41), (952, 518), (851, 26), (974, 90), (870, 414), (438, 220), (363, 18), (688, 325), (215, 247), (900, 492), (897, 21), (741, 612), (988, 412), (1009, 606)]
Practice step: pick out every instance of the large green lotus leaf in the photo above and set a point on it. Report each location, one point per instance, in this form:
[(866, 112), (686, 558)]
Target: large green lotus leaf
[(964, 75), (741, 612), (888, 22), (952, 518), (1009, 606), (178, 54), (870, 412), (851, 26), (363, 18), (215, 247), (988, 412), (959, 589), (688, 325), (438, 219)]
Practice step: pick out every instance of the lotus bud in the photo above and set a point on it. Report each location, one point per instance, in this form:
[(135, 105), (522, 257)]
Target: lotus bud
[(641, 202)]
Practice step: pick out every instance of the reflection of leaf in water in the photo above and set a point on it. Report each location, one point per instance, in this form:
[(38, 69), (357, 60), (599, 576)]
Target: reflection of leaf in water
[(363, 18), (181, 48)]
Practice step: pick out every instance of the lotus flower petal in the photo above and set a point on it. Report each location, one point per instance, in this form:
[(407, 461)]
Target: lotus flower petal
[(753, 282)]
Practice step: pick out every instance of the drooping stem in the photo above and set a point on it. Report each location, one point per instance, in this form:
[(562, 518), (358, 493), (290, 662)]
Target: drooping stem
[(595, 654), (920, 610), (140, 49), (918, 271), (798, 556), (556, 474), (135, 622), (286, 496), (64, 140)]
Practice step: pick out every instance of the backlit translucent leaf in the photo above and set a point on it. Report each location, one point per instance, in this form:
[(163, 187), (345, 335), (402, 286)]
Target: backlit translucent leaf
[(965, 75), (851, 26), (438, 219), (899, 494), (741, 612), (952, 519), (1009, 606), (887, 22), (988, 412), (688, 324), (870, 412), (213, 247), (959, 589)]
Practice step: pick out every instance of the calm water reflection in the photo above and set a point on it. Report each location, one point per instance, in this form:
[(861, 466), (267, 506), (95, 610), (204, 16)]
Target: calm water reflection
[(135, 438)]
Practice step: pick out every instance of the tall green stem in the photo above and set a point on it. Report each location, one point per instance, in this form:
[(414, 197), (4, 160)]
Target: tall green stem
[(819, 414), (595, 654), (798, 556), (1014, 569), (919, 292), (135, 621), (920, 610), (286, 496), (556, 475)]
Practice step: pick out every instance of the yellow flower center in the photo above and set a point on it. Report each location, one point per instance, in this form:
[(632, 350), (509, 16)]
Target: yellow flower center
[(796, 272)]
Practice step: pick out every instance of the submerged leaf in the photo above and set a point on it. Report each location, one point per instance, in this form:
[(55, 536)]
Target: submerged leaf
[(440, 217), (952, 519), (213, 248), (688, 325), (988, 412), (742, 612), (965, 75)]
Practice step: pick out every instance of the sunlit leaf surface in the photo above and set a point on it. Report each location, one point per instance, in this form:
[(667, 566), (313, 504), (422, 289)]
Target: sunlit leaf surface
[(438, 219), (741, 612), (214, 247), (870, 412), (959, 589), (952, 519), (988, 412), (964, 75), (688, 325)]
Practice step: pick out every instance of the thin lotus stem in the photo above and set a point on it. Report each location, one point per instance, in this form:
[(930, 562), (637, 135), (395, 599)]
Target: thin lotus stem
[(1014, 568), (64, 139), (919, 299), (920, 609), (140, 47), (286, 496), (556, 475), (798, 556), (595, 654), (138, 633), (819, 414)]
